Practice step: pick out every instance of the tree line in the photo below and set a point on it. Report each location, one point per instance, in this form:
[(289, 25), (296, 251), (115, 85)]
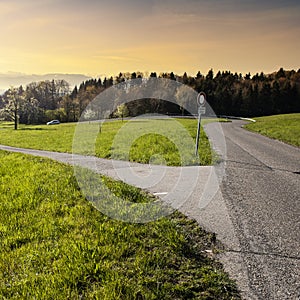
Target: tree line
[(35, 104), (227, 93)]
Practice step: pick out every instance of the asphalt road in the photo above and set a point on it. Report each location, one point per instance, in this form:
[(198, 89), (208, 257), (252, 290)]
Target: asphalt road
[(250, 200), (261, 191)]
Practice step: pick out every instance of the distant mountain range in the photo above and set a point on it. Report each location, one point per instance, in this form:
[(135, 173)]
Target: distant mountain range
[(16, 79)]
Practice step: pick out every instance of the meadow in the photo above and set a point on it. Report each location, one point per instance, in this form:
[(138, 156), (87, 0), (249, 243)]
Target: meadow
[(167, 141), (56, 245), (285, 128)]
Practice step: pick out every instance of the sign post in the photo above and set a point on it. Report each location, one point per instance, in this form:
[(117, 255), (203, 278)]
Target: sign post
[(201, 98)]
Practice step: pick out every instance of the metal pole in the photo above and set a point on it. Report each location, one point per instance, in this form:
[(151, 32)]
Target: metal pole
[(198, 132)]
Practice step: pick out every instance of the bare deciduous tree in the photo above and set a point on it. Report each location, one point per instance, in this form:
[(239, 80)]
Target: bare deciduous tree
[(13, 105)]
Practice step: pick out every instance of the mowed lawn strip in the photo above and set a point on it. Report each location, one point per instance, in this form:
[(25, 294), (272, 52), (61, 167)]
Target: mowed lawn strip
[(285, 128), (56, 245), (159, 141)]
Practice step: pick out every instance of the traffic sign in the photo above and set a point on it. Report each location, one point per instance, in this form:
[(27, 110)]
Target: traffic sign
[(201, 98), (202, 110)]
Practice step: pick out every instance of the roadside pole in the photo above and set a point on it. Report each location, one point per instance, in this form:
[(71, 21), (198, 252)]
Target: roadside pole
[(201, 98)]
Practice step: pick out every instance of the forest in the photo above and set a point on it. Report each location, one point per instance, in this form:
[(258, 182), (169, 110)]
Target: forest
[(227, 93)]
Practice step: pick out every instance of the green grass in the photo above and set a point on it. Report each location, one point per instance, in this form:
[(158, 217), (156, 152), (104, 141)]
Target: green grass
[(285, 128), (56, 245), (44, 137), (169, 141)]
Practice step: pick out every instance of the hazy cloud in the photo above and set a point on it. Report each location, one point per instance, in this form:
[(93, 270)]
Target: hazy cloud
[(87, 35)]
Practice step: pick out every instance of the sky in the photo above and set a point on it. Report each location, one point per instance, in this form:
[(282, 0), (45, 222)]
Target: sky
[(105, 37)]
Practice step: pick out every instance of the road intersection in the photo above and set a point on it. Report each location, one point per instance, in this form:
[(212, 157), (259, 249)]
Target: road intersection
[(250, 200)]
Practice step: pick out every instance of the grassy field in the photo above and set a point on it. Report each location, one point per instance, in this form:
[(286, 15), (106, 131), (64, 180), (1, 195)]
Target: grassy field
[(166, 141), (56, 245), (285, 128)]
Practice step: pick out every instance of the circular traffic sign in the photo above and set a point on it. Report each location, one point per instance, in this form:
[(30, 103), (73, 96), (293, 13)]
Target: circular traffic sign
[(201, 98)]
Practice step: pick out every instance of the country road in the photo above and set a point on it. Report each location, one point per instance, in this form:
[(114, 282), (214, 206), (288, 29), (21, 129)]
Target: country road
[(261, 191), (252, 204)]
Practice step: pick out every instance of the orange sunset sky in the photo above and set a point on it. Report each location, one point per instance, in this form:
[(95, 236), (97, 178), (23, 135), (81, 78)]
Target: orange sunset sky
[(96, 37)]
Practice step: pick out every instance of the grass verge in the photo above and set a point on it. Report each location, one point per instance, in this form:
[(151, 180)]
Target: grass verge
[(285, 128), (56, 245), (165, 141)]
